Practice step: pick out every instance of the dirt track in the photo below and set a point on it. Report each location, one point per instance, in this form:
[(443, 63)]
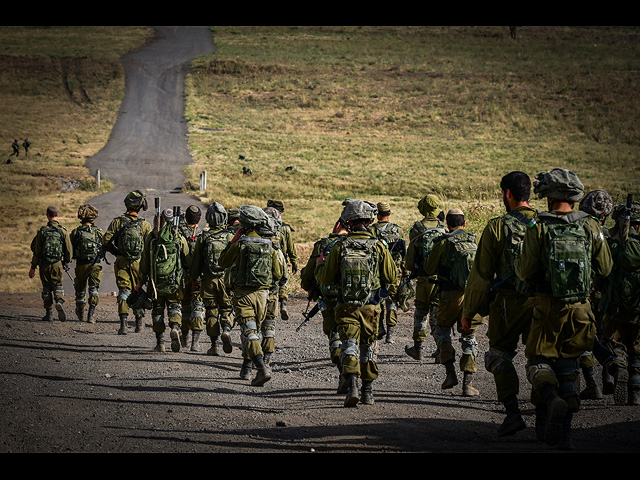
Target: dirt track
[(76, 387)]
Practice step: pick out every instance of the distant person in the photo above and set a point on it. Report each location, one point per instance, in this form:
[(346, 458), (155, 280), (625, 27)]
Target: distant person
[(125, 238), (26, 144), (52, 249), (87, 252), (16, 149)]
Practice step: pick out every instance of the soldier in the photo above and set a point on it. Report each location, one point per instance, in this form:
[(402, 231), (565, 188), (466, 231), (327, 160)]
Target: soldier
[(359, 265), (326, 296), (192, 307), (52, 249), (161, 265), (598, 204), (16, 148), (290, 255), (125, 239), (421, 238), (233, 220), (622, 315), (26, 144), (560, 254), (393, 235), (451, 259), (87, 252), (268, 325), (494, 289), (257, 267), (206, 270)]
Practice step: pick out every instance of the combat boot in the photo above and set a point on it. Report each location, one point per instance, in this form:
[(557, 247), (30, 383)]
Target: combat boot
[(213, 350), (227, 347), (123, 324), (174, 334), (513, 422), (366, 397), (608, 384), (592, 390), (634, 396), (90, 313), (352, 398), (566, 443), (264, 372), (61, 315), (436, 356), (620, 379), (48, 315), (80, 312), (541, 422), (184, 335), (284, 315), (195, 343), (245, 370), (556, 413), (389, 338), (468, 390), (139, 324), (414, 352), (452, 379), (267, 358), (159, 343)]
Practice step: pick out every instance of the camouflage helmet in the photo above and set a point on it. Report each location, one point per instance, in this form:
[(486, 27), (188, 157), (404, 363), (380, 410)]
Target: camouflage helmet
[(216, 215), (597, 203), (358, 210), (234, 215), (136, 200), (277, 204), (559, 184), (252, 216), (429, 205), (620, 211), (193, 215), (87, 212), (274, 213)]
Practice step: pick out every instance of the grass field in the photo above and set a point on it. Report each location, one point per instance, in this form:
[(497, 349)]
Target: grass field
[(320, 114)]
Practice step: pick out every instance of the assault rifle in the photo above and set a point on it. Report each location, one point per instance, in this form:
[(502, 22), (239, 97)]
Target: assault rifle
[(309, 314)]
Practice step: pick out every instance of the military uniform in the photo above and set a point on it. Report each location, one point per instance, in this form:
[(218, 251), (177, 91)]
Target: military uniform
[(192, 307), (165, 297), (51, 269), (290, 255), (358, 325), (449, 313), (426, 297), (250, 293), (87, 254), (561, 330), (494, 289), (393, 235)]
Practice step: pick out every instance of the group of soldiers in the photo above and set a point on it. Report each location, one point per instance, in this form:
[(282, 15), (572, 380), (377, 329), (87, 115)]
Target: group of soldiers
[(557, 281)]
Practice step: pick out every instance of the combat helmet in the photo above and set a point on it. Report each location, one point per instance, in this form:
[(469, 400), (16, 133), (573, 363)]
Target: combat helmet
[(559, 184), (358, 210), (87, 213), (216, 215), (136, 200), (252, 216), (597, 203)]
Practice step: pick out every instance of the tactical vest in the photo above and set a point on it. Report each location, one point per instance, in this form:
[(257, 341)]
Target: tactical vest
[(255, 265), (52, 244), (569, 251), (515, 225), (461, 253), (86, 243), (359, 276)]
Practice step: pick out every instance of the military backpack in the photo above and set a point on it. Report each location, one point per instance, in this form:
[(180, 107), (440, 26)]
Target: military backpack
[(130, 241), (86, 243), (390, 233), (459, 258), (166, 262), (52, 244), (214, 243), (569, 244), (426, 237), (515, 225), (359, 277), (626, 278), (255, 265)]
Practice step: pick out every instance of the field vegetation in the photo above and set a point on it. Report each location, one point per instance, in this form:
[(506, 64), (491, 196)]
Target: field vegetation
[(320, 114)]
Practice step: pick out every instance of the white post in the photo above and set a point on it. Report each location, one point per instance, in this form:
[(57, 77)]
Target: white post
[(203, 181), (98, 179)]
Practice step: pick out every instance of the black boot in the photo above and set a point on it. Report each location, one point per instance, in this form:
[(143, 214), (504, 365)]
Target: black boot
[(513, 421), (592, 390), (123, 324), (414, 352), (352, 398), (556, 413), (264, 372), (227, 347), (452, 379), (245, 370), (367, 393)]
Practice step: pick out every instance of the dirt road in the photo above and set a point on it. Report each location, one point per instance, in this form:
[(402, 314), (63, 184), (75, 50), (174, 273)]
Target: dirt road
[(82, 388)]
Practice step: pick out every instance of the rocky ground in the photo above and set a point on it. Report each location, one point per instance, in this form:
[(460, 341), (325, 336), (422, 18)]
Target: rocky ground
[(82, 388)]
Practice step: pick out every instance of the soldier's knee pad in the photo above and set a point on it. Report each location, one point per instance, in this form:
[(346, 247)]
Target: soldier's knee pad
[(469, 344), (496, 360), (442, 334), (350, 347), (197, 311), (250, 330), (93, 291), (269, 328), (568, 372), (81, 297), (123, 294), (419, 320), (368, 352), (539, 373)]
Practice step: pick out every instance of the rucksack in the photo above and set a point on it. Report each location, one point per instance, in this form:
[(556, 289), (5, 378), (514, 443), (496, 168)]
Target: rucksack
[(130, 241), (86, 243), (569, 244), (255, 265), (166, 262), (515, 225), (459, 258), (214, 243), (52, 244), (426, 237), (358, 270), (390, 233), (626, 278), (326, 244)]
